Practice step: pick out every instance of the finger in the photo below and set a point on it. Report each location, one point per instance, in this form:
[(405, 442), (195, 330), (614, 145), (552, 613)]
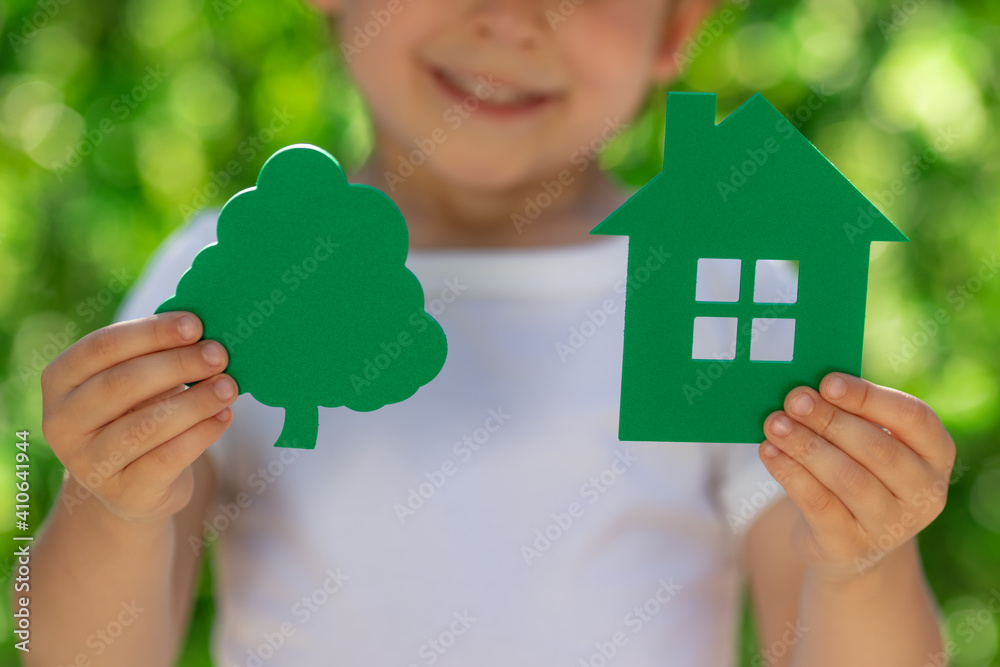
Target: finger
[(173, 391), (858, 489), (113, 344), (113, 392), (820, 506), (897, 466), (907, 417), (135, 434), (153, 472)]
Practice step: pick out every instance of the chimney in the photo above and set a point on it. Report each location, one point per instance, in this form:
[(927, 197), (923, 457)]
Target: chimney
[(689, 117)]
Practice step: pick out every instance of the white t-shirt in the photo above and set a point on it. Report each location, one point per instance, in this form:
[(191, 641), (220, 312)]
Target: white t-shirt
[(494, 518)]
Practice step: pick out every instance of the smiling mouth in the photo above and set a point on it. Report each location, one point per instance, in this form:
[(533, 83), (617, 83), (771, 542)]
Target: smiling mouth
[(486, 94)]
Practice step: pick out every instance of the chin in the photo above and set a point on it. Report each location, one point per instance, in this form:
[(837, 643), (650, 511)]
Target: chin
[(484, 171)]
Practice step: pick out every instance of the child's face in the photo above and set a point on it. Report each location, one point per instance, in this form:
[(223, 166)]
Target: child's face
[(495, 94)]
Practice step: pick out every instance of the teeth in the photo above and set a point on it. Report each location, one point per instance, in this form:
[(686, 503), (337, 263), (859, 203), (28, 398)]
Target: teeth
[(491, 93), (509, 96)]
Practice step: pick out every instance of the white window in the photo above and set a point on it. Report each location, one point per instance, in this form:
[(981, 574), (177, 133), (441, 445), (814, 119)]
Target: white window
[(776, 281), (714, 338), (718, 280), (772, 337)]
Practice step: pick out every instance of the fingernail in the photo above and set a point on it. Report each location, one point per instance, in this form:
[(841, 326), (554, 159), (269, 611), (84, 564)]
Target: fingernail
[(224, 415), (802, 404), (770, 450), (213, 353), (225, 389), (187, 327), (836, 387), (781, 425)]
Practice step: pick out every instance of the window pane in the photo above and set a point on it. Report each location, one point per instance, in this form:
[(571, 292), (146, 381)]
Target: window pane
[(714, 338), (718, 280), (772, 339), (776, 281)]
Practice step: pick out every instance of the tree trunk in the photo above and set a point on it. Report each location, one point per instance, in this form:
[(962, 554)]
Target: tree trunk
[(300, 428)]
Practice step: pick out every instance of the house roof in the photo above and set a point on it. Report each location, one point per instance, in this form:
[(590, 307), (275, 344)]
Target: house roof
[(752, 176)]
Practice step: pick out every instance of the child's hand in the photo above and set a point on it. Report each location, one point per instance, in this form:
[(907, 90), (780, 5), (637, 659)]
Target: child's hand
[(117, 414), (863, 490)]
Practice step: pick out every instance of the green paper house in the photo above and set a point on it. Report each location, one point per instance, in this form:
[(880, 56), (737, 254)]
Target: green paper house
[(764, 289)]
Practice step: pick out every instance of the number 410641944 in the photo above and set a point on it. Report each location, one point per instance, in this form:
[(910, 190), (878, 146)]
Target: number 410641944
[(21, 463)]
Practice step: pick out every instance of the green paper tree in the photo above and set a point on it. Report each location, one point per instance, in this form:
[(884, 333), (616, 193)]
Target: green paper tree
[(307, 290)]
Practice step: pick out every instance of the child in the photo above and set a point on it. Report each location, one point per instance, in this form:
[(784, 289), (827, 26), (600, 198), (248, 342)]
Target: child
[(494, 518)]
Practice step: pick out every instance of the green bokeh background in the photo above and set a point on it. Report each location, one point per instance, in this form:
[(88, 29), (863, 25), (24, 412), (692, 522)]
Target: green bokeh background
[(119, 118)]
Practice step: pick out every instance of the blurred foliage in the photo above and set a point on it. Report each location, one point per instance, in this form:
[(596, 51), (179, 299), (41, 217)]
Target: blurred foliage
[(117, 119)]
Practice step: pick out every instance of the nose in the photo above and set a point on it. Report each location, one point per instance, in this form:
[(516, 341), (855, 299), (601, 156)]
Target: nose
[(512, 23)]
